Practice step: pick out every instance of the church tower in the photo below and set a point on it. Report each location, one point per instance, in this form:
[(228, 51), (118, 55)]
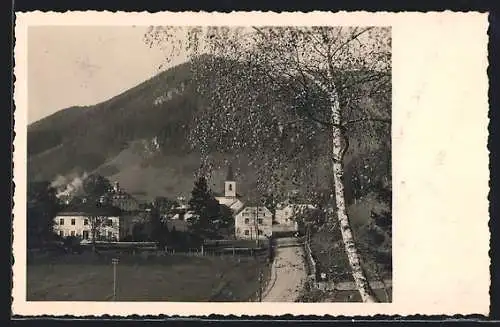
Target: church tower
[(230, 184)]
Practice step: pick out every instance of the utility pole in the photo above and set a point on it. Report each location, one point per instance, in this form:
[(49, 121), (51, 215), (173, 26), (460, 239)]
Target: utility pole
[(260, 285), (114, 261), (256, 217)]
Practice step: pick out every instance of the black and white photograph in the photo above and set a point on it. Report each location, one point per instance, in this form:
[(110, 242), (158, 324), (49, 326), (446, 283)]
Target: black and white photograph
[(258, 168), (210, 161)]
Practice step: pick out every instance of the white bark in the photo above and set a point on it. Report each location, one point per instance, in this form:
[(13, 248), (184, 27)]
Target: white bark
[(351, 250)]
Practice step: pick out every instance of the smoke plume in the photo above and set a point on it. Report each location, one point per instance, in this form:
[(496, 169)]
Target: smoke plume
[(67, 187)]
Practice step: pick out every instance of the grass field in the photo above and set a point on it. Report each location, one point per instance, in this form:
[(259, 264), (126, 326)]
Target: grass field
[(88, 277)]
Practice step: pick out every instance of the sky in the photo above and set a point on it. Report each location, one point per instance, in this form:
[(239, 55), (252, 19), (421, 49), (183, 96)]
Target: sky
[(85, 65)]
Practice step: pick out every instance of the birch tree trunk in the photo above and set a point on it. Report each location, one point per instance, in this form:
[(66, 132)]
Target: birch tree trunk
[(351, 250)]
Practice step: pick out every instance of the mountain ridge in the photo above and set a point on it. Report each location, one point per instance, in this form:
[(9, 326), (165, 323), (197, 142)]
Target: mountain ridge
[(139, 138)]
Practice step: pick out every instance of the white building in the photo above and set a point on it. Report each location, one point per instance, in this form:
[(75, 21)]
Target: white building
[(79, 222), (286, 215), (253, 222)]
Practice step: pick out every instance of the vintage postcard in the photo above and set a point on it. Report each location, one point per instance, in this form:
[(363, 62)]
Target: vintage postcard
[(207, 163)]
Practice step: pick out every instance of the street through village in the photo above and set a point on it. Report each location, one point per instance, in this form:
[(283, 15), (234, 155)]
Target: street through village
[(288, 272)]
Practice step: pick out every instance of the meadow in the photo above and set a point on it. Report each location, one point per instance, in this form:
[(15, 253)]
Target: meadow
[(144, 277)]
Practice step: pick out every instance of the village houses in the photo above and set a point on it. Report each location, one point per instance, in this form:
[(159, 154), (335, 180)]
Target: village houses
[(112, 217), (286, 216), (117, 211)]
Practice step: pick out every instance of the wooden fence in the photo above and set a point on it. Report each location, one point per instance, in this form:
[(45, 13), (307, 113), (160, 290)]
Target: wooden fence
[(212, 249), (311, 263), (217, 252)]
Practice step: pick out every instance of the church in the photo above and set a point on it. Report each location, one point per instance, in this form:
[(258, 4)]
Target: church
[(230, 198), (251, 221)]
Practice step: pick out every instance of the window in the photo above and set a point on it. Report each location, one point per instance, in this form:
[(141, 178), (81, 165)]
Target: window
[(61, 221), (260, 221), (247, 221), (261, 209), (72, 233), (73, 221), (85, 221), (260, 231), (61, 233), (85, 234), (109, 222), (247, 232), (230, 187), (110, 235)]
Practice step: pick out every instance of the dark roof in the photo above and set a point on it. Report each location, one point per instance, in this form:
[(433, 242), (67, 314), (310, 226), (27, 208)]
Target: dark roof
[(254, 204), (250, 204), (230, 174), (90, 210)]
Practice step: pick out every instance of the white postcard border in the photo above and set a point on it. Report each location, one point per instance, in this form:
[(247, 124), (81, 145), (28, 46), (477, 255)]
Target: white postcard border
[(440, 163)]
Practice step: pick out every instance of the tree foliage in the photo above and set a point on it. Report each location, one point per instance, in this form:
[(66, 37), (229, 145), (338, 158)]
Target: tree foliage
[(164, 204), (95, 186), (261, 87), (206, 209), (225, 218), (42, 208), (338, 81), (159, 229)]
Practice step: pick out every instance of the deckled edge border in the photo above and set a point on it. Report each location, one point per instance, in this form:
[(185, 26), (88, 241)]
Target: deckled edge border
[(492, 100)]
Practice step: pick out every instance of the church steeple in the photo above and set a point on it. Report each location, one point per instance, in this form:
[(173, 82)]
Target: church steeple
[(230, 184), (230, 174)]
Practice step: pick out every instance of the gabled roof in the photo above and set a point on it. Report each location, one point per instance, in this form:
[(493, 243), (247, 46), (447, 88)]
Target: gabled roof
[(253, 203), (89, 209), (223, 195), (249, 205), (228, 201)]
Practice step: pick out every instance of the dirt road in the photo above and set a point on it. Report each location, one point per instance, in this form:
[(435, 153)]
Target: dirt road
[(288, 273)]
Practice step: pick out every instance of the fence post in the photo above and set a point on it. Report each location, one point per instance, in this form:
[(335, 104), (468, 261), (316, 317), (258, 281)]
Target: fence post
[(233, 250), (202, 250)]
